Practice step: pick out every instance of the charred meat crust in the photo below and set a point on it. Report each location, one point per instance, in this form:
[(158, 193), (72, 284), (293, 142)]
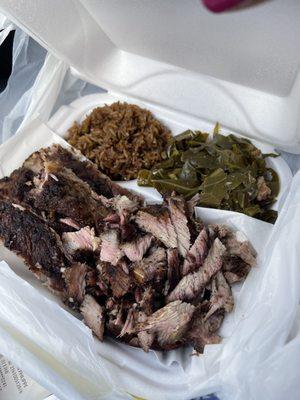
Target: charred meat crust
[(17, 185), (63, 194), (30, 237), (83, 168)]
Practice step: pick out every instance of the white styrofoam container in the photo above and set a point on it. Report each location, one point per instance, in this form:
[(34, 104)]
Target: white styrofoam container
[(191, 68)]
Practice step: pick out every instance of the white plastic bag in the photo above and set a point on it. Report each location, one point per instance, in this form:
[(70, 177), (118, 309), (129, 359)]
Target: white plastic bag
[(39, 83), (6, 26), (28, 58)]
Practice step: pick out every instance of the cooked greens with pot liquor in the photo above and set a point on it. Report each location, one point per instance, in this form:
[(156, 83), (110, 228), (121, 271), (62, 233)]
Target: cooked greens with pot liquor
[(228, 172)]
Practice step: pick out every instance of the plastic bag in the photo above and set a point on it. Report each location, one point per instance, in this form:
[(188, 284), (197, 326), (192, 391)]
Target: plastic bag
[(6, 26), (24, 94), (28, 58), (265, 337)]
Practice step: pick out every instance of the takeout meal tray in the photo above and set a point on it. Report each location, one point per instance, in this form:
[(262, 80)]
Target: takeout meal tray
[(115, 354), (190, 76)]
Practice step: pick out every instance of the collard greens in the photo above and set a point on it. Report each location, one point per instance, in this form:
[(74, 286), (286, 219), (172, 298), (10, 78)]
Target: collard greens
[(228, 172)]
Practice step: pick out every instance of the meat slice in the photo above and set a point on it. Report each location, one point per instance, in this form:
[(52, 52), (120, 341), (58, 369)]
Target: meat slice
[(156, 220), (193, 284), (17, 185), (30, 237), (93, 315), (173, 268), (204, 331), (263, 190), (84, 239), (192, 203), (221, 296), (218, 230), (69, 222), (75, 282), (122, 204), (55, 285), (235, 269), (145, 338), (150, 268), (91, 277), (136, 249), (235, 242), (115, 317), (169, 324), (123, 208), (146, 303), (60, 192), (129, 324), (118, 278), (110, 247), (179, 220), (197, 253), (238, 245), (83, 168)]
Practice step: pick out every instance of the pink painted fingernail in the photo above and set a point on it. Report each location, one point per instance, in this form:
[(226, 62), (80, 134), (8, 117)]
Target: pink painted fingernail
[(220, 5)]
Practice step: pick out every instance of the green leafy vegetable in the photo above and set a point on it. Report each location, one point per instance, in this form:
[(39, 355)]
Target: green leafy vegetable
[(229, 172)]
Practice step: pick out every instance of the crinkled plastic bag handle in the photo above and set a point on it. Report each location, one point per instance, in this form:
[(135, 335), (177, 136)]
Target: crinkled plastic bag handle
[(6, 26)]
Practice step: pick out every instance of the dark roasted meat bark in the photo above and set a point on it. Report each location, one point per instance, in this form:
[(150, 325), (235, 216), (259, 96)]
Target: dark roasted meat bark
[(17, 185), (75, 282), (83, 168), (59, 192), (30, 237)]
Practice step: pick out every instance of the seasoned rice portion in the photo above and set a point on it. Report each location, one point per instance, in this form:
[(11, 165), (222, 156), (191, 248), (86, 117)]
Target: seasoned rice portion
[(121, 139)]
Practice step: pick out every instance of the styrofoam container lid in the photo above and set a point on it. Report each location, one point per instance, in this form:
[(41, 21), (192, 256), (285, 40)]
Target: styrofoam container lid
[(239, 68)]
